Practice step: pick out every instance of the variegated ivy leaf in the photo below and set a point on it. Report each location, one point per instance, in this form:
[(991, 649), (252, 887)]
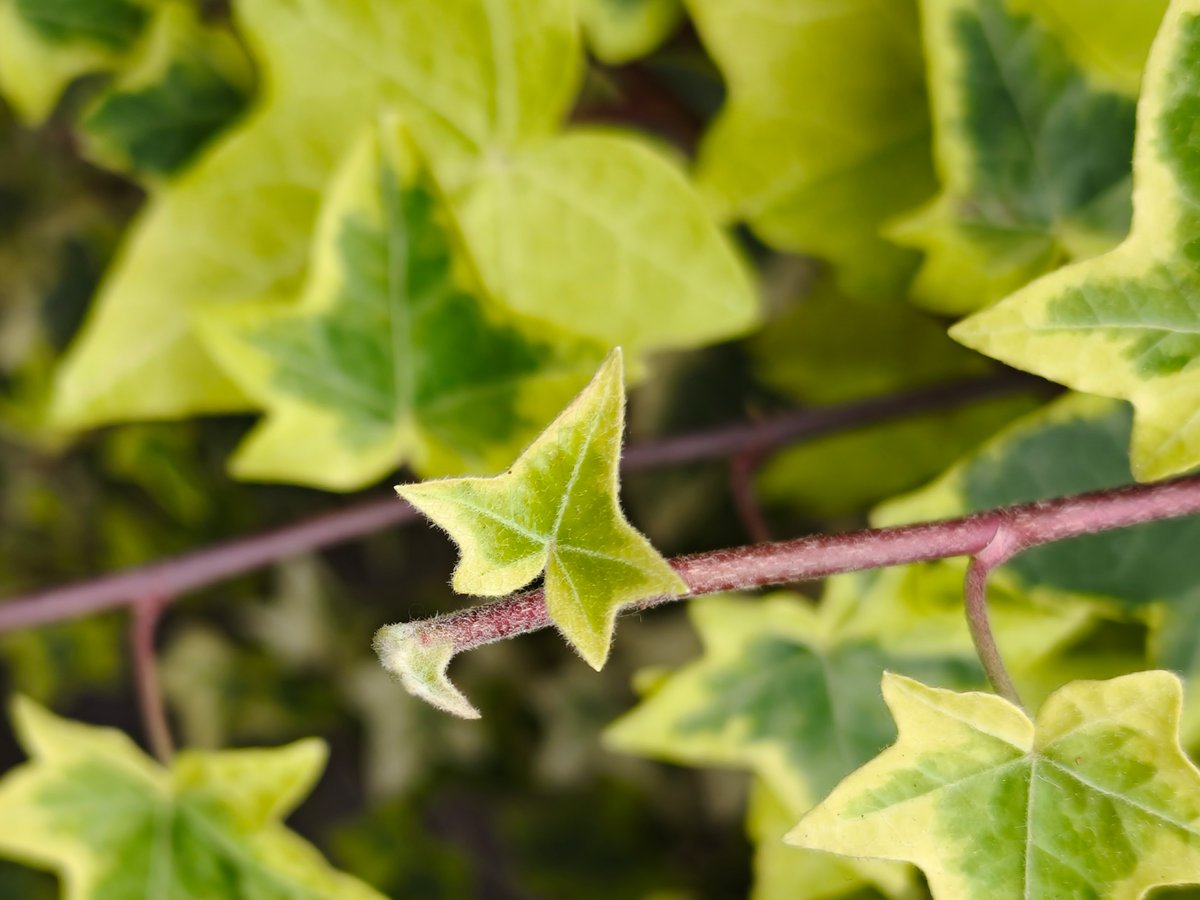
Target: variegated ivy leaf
[(208, 826), (1113, 46), (184, 84), (1093, 798), (825, 134), (597, 233), (46, 44), (1124, 324), (1034, 161), (619, 31), (782, 872), (394, 353), (792, 692), (326, 71), (556, 510)]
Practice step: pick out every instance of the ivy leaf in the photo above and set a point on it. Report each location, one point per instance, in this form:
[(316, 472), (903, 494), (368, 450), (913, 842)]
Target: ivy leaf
[(326, 72), (830, 349), (47, 44), (1093, 798), (619, 31), (186, 82), (1035, 167), (1123, 324), (394, 354), (825, 134), (584, 231), (1113, 47), (611, 212), (209, 826), (793, 693), (780, 870), (556, 510)]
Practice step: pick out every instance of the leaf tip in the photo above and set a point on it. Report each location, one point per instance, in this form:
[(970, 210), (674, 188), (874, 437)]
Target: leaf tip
[(420, 661), (594, 649)]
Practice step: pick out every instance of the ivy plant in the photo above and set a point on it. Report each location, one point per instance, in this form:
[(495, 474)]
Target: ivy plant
[(903, 293)]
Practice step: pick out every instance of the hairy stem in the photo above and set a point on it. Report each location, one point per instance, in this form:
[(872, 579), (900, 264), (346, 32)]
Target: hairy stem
[(192, 571), (818, 556)]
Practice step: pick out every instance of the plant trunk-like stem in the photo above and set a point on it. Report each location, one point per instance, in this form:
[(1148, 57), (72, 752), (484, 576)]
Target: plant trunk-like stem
[(143, 628), (191, 571), (804, 559)]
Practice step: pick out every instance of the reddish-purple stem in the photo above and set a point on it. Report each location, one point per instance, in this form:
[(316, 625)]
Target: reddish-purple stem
[(192, 571), (1007, 531), (1004, 545), (144, 625), (742, 469)]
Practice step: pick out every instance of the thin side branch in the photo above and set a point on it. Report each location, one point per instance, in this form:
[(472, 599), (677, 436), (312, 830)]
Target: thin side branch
[(742, 470), (180, 575), (1002, 547), (143, 628)]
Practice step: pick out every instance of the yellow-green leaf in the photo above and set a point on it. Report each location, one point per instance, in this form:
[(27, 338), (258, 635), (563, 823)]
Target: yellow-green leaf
[(394, 353), (556, 510), (825, 134), (1124, 324), (619, 31), (114, 824), (1113, 45), (326, 71), (602, 234), (1093, 798), (1034, 161)]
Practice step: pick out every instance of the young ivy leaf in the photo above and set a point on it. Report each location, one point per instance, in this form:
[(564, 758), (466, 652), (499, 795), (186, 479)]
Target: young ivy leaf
[(394, 354), (1094, 798), (1125, 324), (556, 510), (1035, 170), (209, 826)]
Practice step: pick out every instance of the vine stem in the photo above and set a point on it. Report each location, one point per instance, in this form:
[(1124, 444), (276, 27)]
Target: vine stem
[(988, 537), (742, 469), (143, 627), (1003, 546), (182, 574)]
